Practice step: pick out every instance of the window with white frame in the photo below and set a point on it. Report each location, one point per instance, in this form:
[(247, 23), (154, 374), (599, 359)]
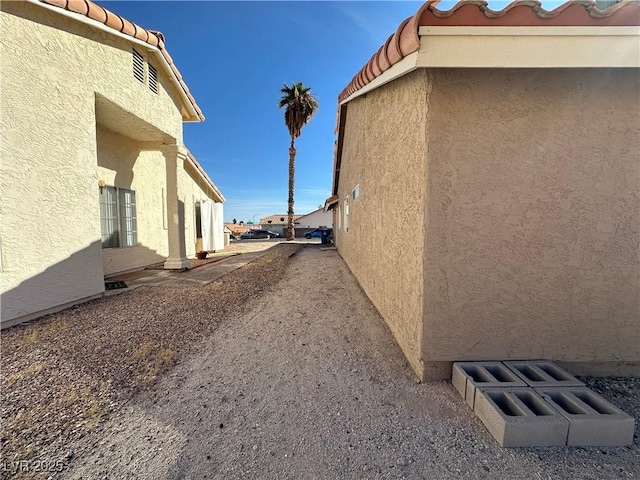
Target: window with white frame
[(118, 221), (356, 191), (346, 214)]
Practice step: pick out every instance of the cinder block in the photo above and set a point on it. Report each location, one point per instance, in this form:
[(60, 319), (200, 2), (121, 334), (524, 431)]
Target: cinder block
[(542, 373), (468, 376), (459, 379), (518, 417), (593, 421)]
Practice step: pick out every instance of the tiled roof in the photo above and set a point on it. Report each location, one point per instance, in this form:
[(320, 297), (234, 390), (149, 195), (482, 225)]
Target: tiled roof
[(155, 39), (476, 13), (237, 229), (275, 219)]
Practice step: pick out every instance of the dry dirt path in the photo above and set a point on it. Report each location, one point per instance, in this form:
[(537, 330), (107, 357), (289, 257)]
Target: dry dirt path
[(309, 383)]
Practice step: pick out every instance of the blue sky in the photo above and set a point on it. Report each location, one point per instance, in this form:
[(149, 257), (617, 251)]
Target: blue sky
[(235, 57)]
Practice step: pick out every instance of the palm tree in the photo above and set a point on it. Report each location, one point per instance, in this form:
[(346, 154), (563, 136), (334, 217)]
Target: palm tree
[(300, 106)]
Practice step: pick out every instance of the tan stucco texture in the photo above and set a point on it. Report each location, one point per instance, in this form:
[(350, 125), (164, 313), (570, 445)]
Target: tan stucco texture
[(532, 243), (499, 214), (122, 163), (192, 189), (387, 159), (66, 89)]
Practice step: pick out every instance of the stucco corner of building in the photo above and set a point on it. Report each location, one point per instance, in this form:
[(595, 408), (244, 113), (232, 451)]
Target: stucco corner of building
[(431, 371)]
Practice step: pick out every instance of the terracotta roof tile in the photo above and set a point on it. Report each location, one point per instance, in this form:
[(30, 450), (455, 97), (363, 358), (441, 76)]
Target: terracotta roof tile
[(113, 21), (97, 13), (383, 59), (100, 14), (377, 69), (78, 6), (476, 13), (58, 3), (128, 28)]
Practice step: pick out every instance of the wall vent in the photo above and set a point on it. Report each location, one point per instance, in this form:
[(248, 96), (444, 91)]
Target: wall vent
[(138, 66), (153, 79)]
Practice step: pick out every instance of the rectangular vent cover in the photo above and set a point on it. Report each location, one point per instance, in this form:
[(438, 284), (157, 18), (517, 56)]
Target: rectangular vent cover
[(153, 79), (138, 66)]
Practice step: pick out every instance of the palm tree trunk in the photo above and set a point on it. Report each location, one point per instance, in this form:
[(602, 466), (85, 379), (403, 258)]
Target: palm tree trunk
[(292, 167)]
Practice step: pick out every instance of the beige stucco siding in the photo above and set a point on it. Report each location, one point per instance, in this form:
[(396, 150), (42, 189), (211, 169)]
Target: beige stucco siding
[(316, 219), (532, 246), (388, 160), (122, 163), (192, 189), (48, 184), (66, 57), (57, 75)]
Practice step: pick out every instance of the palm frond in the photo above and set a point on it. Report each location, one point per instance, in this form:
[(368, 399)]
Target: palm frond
[(300, 105)]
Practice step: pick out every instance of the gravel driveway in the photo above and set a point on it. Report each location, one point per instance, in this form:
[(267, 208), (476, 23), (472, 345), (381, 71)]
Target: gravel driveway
[(309, 383), (251, 377)]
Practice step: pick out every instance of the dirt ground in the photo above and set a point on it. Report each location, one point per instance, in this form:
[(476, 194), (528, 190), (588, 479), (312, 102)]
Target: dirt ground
[(65, 374), (309, 383), (304, 381)]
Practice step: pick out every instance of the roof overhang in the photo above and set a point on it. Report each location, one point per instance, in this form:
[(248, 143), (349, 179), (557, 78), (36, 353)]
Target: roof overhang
[(98, 17), (528, 47), (576, 34), (522, 35), (331, 202), (217, 194)]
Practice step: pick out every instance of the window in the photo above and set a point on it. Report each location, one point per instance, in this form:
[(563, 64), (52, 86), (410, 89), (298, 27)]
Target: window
[(118, 221), (138, 66), (153, 79), (356, 191), (346, 214), (198, 220)]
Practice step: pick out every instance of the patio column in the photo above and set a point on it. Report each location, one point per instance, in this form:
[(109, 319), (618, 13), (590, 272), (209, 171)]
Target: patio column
[(177, 259)]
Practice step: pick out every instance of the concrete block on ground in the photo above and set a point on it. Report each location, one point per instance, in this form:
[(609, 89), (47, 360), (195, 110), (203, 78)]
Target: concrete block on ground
[(518, 417), (593, 421), (542, 373), (468, 376)]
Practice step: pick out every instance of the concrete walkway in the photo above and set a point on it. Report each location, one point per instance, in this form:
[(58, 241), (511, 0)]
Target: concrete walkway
[(194, 277), (234, 256)]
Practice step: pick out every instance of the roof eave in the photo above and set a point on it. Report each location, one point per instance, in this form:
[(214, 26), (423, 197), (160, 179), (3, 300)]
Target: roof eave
[(203, 174), (96, 16), (331, 202)]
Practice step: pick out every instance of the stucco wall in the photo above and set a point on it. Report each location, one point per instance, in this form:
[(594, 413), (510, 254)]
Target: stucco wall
[(377, 155), (70, 59), (191, 189), (122, 164), (50, 228), (316, 219), (532, 245)]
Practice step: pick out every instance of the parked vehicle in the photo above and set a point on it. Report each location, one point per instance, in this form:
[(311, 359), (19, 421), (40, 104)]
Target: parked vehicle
[(259, 234), (317, 233)]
